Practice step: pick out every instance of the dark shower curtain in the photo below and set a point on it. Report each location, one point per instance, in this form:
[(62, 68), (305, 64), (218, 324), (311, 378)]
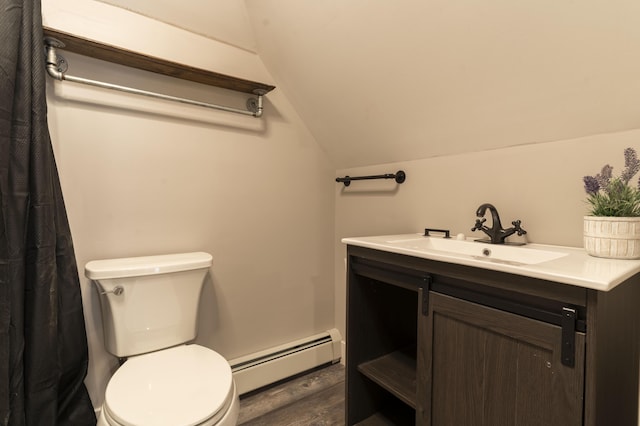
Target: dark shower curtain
[(43, 344)]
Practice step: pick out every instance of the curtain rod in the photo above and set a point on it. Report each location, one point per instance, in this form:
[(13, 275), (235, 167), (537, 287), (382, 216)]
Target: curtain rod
[(57, 66)]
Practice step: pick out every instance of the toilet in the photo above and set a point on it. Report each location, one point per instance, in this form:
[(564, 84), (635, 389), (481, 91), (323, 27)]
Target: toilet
[(149, 309)]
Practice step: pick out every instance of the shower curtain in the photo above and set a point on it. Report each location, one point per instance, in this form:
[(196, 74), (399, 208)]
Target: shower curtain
[(43, 344)]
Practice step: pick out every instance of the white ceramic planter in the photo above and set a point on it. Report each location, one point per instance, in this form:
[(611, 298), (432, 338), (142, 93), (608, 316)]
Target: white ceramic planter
[(612, 237)]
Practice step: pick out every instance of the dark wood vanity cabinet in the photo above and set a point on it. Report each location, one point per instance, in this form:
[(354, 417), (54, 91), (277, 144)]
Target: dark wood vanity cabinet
[(490, 367), (432, 343)]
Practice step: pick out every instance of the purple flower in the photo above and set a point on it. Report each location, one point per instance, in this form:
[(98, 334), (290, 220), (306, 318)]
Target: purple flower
[(604, 176), (631, 163), (591, 185), (630, 157), (610, 195)]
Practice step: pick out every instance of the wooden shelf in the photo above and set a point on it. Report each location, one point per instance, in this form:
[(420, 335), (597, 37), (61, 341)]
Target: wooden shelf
[(378, 419), (140, 61), (395, 372), (389, 418)]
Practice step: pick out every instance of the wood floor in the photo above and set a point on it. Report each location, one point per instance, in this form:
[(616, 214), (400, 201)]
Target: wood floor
[(313, 399)]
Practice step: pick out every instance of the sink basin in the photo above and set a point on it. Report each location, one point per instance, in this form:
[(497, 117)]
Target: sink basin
[(511, 255), (567, 265)]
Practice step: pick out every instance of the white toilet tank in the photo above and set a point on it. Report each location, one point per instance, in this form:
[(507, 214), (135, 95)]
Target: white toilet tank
[(149, 303)]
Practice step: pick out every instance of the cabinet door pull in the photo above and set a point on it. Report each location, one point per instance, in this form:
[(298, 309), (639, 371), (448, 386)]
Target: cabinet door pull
[(567, 353)]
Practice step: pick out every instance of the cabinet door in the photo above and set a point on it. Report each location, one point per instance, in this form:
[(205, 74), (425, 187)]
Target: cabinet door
[(485, 367)]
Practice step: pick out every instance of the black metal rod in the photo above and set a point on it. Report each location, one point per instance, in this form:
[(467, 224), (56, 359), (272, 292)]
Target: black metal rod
[(399, 176)]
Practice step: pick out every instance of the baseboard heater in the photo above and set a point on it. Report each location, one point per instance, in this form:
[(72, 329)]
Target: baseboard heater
[(262, 368)]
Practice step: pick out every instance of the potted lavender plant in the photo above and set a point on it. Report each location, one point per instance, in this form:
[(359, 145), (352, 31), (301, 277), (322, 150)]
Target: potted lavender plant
[(613, 228)]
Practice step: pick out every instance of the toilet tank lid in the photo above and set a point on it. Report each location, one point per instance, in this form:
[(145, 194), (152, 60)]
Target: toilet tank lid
[(146, 265)]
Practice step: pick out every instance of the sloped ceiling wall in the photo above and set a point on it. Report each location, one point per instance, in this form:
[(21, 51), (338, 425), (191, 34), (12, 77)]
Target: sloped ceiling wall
[(222, 20), (383, 81)]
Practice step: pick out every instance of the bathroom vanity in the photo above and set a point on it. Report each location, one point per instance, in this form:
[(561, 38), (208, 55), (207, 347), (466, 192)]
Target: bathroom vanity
[(456, 334)]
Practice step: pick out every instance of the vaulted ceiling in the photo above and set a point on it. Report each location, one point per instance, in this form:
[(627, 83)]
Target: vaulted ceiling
[(381, 81)]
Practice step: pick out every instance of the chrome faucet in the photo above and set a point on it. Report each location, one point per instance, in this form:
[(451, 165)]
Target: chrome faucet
[(496, 233)]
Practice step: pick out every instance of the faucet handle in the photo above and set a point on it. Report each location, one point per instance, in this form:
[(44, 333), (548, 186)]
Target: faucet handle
[(479, 223), (516, 225)]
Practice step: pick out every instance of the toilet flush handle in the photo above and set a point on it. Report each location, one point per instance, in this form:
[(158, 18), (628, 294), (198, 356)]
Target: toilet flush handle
[(117, 290)]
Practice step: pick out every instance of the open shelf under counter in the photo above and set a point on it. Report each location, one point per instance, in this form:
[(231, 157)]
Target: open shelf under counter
[(395, 372), (380, 419)]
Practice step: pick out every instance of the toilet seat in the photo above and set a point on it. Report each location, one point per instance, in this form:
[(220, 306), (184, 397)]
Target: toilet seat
[(185, 385)]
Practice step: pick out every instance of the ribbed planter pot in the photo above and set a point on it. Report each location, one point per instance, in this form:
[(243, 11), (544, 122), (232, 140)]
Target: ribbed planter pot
[(612, 237)]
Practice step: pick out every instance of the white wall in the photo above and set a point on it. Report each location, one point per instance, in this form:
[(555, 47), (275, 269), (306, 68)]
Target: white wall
[(143, 177), (222, 20), (382, 81)]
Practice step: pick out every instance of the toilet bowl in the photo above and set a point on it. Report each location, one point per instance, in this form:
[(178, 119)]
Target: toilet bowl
[(185, 385), (149, 310)]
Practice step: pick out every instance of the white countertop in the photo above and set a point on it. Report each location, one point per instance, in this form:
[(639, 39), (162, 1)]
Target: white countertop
[(567, 265)]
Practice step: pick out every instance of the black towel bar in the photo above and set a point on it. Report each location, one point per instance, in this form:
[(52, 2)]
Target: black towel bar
[(399, 176)]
